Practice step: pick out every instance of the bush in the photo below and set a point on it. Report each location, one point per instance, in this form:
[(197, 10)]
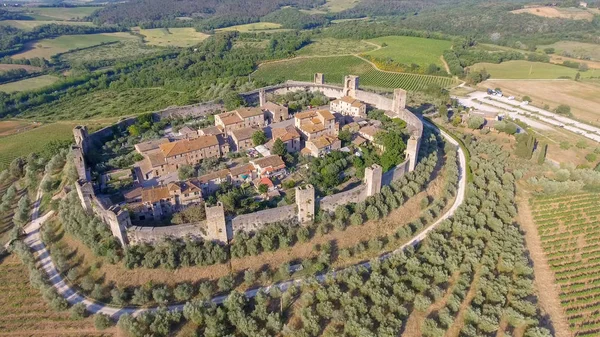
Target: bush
[(78, 311), (526, 99), (591, 157), (475, 122), (102, 321)]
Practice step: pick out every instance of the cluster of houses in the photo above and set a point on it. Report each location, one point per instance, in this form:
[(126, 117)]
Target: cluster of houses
[(313, 133)]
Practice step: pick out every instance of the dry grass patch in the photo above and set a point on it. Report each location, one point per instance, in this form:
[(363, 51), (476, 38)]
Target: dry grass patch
[(6, 67), (554, 12), (582, 97)]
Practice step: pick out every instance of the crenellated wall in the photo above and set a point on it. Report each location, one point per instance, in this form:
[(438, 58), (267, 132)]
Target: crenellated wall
[(137, 234), (254, 221)]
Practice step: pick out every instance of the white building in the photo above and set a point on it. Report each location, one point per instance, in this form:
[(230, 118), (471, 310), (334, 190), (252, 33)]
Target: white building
[(349, 106)]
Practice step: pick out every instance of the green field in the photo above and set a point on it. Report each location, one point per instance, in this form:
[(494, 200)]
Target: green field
[(408, 49), (35, 140), (48, 47), (339, 5), (575, 49), (172, 37), (531, 70), (335, 68), (29, 84), (114, 51), (107, 103), (256, 27), (328, 46), (57, 13), (31, 24)]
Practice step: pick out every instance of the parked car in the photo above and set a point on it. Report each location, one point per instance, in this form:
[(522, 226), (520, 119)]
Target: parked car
[(510, 98)]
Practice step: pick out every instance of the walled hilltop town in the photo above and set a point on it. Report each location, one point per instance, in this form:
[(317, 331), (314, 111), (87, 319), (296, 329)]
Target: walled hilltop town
[(313, 132)]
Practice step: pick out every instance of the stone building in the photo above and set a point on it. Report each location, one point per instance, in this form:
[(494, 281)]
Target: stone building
[(305, 203), (242, 174), (349, 106), (268, 166), (162, 200), (239, 118), (313, 124), (188, 133), (321, 146), (170, 156), (216, 227), (150, 145), (289, 136), (210, 183), (274, 112), (242, 138)]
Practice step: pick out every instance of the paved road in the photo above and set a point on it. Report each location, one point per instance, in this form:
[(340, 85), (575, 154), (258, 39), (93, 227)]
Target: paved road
[(72, 296), (517, 110)]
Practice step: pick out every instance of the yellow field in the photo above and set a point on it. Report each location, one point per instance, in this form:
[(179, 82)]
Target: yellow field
[(553, 12), (31, 24), (59, 13), (254, 27), (47, 48), (172, 37), (29, 84), (583, 98)]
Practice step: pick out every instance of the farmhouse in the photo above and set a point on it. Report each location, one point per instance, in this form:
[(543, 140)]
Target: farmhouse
[(349, 106)]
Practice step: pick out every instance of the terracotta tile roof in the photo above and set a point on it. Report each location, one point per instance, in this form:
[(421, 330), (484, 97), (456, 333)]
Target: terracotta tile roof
[(274, 107), (243, 133), (221, 174), (323, 141), (211, 130), (156, 158), (285, 134), (264, 181), (269, 161), (305, 115), (188, 145), (230, 118), (248, 112), (358, 140), (242, 169), (312, 128), (150, 145), (188, 186), (186, 129), (369, 131), (306, 151), (155, 194), (326, 114)]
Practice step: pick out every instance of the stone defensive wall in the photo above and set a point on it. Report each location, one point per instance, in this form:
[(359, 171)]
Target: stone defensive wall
[(216, 227), (146, 234)]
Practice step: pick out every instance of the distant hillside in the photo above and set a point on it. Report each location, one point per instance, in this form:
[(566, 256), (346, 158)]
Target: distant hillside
[(151, 12)]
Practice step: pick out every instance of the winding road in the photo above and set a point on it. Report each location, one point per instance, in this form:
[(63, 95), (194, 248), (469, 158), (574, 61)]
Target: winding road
[(34, 241)]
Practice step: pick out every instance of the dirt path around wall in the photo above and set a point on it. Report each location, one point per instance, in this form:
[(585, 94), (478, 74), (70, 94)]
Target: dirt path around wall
[(544, 280)]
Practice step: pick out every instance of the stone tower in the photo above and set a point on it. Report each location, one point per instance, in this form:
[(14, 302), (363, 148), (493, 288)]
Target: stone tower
[(118, 220), (216, 227), (412, 151), (350, 85), (399, 100), (319, 78), (305, 201), (262, 97), (373, 177), (80, 132)]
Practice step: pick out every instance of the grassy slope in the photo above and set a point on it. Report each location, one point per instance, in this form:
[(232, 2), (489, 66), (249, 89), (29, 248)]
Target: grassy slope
[(29, 83), (49, 47), (577, 49), (253, 27), (177, 37), (408, 49), (30, 24), (530, 70), (329, 46)]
